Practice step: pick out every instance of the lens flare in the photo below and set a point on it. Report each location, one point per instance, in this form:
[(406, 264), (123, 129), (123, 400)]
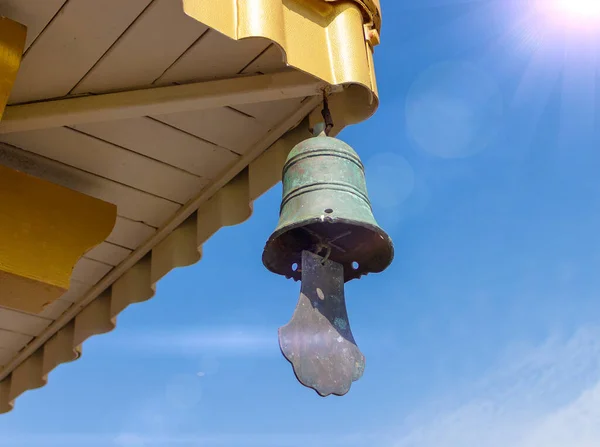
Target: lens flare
[(582, 9), (573, 12)]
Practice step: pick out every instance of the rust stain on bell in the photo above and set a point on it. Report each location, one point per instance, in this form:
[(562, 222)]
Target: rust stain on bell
[(326, 236)]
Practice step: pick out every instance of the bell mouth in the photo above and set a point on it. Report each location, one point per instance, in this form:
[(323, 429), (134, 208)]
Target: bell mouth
[(361, 248)]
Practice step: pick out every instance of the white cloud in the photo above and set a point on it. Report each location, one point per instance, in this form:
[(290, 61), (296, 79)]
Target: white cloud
[(453, 110), (219, 440), (548, 396), (575, 425), (212, 343), (540, 396), (224, 341)]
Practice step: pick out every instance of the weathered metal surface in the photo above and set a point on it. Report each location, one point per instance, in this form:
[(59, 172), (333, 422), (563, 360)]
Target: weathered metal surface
[(326, 210), (326, 235), (318, 341)]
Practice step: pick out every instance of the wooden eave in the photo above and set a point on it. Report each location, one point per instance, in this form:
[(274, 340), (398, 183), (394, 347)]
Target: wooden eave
[(178, 112)]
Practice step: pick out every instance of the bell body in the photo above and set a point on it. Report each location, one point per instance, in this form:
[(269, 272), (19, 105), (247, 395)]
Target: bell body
[(326, 210)]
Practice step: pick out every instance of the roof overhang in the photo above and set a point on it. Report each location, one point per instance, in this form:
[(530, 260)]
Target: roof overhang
[(119, 99)]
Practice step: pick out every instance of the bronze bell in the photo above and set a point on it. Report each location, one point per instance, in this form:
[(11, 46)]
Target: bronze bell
[(326, 210), (326, 236)]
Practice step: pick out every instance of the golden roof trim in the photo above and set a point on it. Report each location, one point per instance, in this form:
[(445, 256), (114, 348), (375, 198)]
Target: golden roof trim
[(371, 9), (324, 38), (12, 44), (49, 228)]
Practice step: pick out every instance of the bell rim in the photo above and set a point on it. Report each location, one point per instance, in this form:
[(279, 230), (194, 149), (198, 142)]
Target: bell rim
[(375, 228)]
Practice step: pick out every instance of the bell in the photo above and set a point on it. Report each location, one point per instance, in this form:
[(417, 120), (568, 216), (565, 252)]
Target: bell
[(326, 210), (326, 236)]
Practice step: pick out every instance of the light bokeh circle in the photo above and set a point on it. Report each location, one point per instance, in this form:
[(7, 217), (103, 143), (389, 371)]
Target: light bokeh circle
[(454, 110), (209, 365), (390, 180), (184, 391)]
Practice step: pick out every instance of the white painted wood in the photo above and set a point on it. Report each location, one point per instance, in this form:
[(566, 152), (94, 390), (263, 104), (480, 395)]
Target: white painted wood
[(270, 140), (108, 253), (89, 271), (213, 56), (55, 309), (77, 289), (224, 127), (162, 142), (131, 203), (35, 323), (160, 101), (34, 14), (270, 113), (272, 60), (98, 157), (129, 233), (6, 355), (148, 48), (70, 45), (23, 323), (13, 341)]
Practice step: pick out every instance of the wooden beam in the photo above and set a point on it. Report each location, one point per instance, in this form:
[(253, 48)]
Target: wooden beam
[(12, 43), (160, 101)]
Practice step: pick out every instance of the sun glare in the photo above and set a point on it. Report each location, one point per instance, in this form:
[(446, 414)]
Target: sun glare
[(582, 12)]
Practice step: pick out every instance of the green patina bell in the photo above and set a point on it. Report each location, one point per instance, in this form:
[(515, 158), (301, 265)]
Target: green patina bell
[(326, 210), (326, 236)]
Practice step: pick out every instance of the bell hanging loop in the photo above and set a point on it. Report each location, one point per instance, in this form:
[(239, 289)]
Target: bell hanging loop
[(326, 114)]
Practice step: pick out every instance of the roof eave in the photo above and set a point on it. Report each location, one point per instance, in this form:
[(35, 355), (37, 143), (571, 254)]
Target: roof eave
[(335, 32)]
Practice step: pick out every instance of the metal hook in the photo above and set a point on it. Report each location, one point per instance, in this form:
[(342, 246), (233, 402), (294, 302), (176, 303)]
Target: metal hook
[(326, 258), (326, 113)]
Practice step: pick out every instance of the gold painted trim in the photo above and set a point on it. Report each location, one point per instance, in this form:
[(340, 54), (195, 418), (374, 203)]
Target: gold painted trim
[(12, 44), (44, 230), (371, 10), (326, 39)]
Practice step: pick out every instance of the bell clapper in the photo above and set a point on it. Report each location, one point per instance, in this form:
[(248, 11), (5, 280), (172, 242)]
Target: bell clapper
[(318, 341)]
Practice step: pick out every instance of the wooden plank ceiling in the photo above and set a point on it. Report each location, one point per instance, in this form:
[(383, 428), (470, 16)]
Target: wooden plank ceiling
[(148, 166)]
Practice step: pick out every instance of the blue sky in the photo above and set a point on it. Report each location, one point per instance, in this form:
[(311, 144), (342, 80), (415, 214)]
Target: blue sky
[(482, 164)]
